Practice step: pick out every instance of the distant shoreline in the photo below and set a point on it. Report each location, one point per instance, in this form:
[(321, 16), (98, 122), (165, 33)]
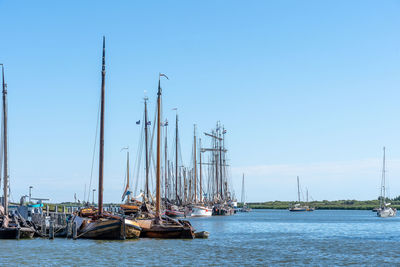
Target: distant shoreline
[(324, 205)]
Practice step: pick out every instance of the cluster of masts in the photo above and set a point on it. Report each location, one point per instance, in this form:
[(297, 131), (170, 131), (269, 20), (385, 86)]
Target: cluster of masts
[(204, 180)]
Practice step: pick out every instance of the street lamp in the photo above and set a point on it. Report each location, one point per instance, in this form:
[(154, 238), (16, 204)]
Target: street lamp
[(30, 193), (94, 190)]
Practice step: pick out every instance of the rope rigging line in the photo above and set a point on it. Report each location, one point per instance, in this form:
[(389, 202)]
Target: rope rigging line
[(94, 150)]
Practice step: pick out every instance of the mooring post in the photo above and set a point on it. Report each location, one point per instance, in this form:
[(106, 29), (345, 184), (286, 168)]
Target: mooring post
[(47, 210), (64, 209), (123, 229), (18, 234), (51, 230), (44, 227), (74, 231), (56, 209)]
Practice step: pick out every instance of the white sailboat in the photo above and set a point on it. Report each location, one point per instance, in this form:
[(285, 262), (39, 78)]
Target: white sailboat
[(199, 209), (385, 210)]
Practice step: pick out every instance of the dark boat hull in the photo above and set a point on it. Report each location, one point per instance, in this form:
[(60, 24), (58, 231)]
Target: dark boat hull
[(16, 233), (165, 231), (174, 214), (110, 229)]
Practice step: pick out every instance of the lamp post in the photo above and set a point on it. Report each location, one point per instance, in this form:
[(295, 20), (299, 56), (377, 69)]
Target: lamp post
[(30, 193), (94, 190)]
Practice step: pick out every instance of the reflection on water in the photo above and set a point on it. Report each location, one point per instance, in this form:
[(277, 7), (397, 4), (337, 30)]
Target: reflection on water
[(262, 237)]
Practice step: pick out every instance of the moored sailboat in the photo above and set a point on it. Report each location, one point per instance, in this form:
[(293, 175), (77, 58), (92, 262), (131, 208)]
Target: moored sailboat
[(14, 227), (94, 223), (298, 207), (154, 225), (384, 210), (244, 208)]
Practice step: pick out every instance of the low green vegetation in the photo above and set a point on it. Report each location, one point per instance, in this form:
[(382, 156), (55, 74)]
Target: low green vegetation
[(326, 205)]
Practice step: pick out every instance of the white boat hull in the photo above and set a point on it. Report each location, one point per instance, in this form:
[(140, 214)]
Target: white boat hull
[(201, 212), (386, 212)]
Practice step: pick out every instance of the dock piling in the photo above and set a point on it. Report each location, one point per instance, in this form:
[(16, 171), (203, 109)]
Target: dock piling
[(74, 231), (51, 230)]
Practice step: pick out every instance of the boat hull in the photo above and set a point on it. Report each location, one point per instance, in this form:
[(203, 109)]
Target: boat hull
[(217, 211), (174, 213), (201, 212), (297, 209), (109, 229), (387, 212), (16, 233), (150, 229)]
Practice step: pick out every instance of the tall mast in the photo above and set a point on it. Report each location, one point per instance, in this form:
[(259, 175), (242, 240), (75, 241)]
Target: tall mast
[(383, 188), (5, 147), (176, 157), (220, 163), (158, 171), (216, 166), (146, 146), (127, 174), (201, 178), (243, 189), (195, 163), (298, 188), (101, 157), (307, 195), (166, 159)]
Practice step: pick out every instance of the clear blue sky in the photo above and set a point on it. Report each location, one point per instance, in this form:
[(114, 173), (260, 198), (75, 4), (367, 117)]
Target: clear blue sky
[(307, 88)]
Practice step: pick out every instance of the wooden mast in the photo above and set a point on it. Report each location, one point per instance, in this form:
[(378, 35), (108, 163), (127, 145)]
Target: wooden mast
[(216, 166), (146, 147), (158, 170), (5, 145), (201, 182), (195, 165), (101, 156), (166, 160), (220, 160), (176, 157), (127, 174)]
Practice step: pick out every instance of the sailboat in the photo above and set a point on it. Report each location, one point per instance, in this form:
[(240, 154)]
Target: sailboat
[(245, 208), (95, 223), (131, 206), (172, 210), (11, 227), (385, 210), (199, 209), (298, 206), (307, 206), (154, 225)]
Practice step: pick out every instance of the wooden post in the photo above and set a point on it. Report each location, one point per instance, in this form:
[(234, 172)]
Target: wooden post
[(51, 230), (123, 229), (74, 231), (64, 209), (18, 234), (56, 209), (47, 210), (44, 232)]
